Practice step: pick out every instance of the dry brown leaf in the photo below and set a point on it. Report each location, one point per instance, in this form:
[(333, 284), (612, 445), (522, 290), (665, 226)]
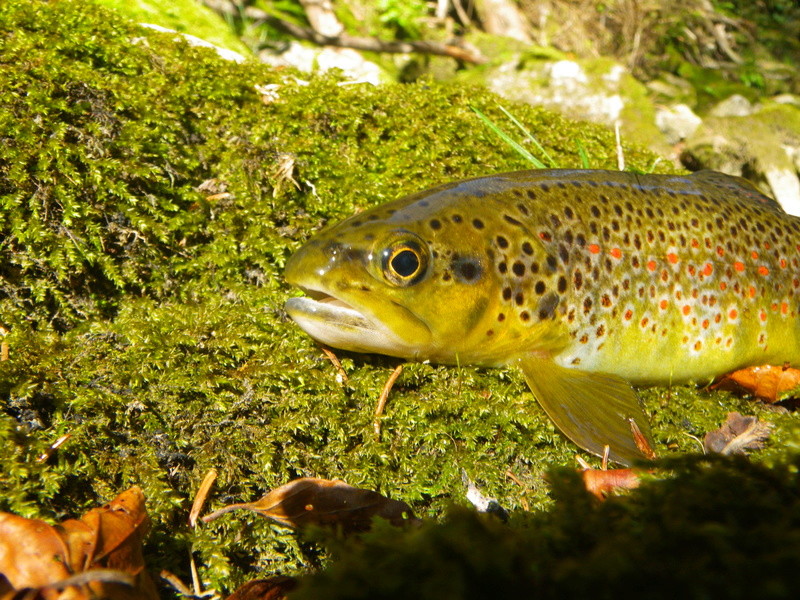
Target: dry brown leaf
[(99, 555), (767, 382), (737, 435), (274, 588), (328, 502), (603, 482)]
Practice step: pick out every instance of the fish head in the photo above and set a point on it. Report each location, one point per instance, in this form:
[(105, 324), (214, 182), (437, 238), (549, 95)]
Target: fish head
[(400, 281)]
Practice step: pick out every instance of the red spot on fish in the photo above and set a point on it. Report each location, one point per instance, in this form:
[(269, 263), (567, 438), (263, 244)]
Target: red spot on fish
[(708, 269), (628, 315), (785, 308), (723, 285), (752, 292), (717, 318), (651, 266), (774, 307), (691, 270), (720, 251), (644, 322), (678, 294), (672, 257), (615, 252), (545, 236), (762, 270), (754, 254), (732, 314), (783, 263), (663, 305), (739, 266), (695, 244), (767, 245), (762, 315), (687, 309), (698, 344), (706, 323), (593, 248)]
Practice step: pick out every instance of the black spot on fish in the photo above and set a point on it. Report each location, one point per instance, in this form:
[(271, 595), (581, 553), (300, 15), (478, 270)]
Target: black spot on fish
[(551, 263), (519, 298), (540, 287), (534, 268), (594, 210), (501, 241), (547, 305), (525, 315), (512, 220), (457, 218), (502, 267), (466, 269), (531, 195), (568, 212), (477, 224), (523, 209), (527, 248), (577, 279), (518, 268), (435, 224), (562, 285), (506, 293)]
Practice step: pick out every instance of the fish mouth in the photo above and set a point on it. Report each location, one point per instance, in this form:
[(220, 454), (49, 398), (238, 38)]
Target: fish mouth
[(335, 322)]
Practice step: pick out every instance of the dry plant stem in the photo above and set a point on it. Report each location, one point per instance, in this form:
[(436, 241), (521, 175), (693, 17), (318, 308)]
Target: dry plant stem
[(176, 583), (53, 447), (201, 496), (384, 397), (196, 584), (335, 360), (516, 480)]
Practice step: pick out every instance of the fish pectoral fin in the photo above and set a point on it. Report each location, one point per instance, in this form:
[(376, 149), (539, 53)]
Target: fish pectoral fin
[(594, 410)]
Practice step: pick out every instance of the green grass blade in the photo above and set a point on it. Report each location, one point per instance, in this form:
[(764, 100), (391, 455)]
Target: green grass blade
[(507, 139), (583, 155), (529, 135)]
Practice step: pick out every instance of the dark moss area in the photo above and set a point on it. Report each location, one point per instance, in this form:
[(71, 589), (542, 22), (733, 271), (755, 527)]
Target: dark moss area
[(721, 528), (143, 231)]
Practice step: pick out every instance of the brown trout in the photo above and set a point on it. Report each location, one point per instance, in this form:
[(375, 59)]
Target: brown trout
[(589, 281)]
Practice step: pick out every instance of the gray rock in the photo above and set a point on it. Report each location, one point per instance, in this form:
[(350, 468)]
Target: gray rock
[(677, 122), (733, 106)]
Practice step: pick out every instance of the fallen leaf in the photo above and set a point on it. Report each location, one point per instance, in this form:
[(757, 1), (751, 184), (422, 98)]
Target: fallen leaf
[(737, 435), (99, 555), (308, 501), (767, 382), (274, 588), (604, 482)]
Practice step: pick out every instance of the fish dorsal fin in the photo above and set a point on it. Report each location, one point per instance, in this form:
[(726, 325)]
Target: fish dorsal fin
[(592, 409), (741, 186)]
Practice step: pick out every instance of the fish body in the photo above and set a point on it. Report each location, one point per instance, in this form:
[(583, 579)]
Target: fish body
[(588, 280)]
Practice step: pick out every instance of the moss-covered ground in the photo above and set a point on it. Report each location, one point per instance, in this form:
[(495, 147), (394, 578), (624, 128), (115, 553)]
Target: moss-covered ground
[(144, 225)]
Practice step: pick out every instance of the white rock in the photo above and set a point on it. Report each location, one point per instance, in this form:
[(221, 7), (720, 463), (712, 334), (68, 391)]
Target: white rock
[(785, 188), (677, 122), (733, 106)]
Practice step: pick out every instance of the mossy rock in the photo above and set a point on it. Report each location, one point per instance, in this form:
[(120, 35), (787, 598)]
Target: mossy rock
[(144, 225)]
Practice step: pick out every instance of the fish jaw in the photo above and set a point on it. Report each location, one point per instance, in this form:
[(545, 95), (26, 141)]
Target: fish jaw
[(351, 317)]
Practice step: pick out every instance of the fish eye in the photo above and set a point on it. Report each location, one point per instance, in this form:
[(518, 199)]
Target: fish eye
[(404, 263)]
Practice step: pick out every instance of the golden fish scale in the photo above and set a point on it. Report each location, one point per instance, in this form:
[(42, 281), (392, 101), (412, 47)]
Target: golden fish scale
[(676, 279)]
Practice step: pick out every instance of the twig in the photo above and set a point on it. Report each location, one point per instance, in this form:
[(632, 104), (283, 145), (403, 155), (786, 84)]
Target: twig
[(53, 447), (201, 496), (344, 40), (341, 375), (384, 397)]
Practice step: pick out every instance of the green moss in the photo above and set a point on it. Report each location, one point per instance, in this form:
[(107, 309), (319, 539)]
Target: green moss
[(143, 232), (184, 16)]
